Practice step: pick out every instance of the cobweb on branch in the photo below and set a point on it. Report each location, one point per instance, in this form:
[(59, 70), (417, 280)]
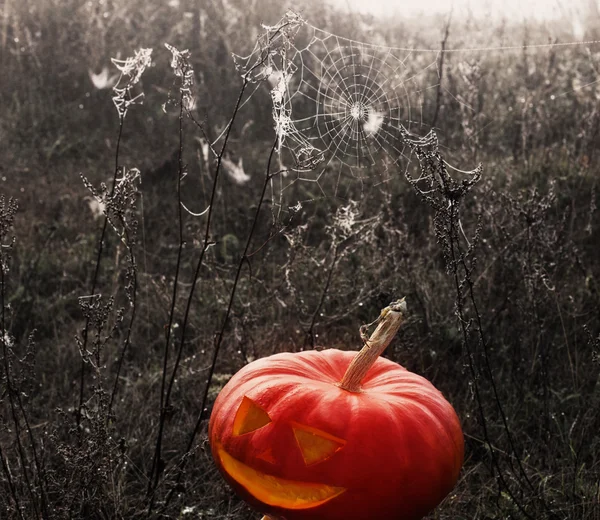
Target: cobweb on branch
[(340, 107)]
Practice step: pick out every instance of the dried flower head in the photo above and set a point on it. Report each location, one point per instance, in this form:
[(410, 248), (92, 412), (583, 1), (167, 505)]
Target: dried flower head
[(131, 70)]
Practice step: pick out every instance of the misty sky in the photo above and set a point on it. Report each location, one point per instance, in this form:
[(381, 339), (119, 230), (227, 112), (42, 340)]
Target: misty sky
[(515, 9)]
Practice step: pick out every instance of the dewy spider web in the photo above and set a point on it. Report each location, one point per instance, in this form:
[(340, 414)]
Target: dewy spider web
[(345, 110), (339, 106)]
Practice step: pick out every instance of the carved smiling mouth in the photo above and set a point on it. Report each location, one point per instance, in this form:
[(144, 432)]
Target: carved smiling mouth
[(275, 491)]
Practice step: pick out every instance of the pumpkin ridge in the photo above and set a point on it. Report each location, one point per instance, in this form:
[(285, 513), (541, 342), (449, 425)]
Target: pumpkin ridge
[(305, 365)]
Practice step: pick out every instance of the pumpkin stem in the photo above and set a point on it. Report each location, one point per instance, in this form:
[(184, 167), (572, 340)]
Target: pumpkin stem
[(390, 320)]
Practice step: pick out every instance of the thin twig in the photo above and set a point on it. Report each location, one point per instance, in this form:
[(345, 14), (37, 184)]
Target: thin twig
[(156, 467), (206, 245), (313, 321)]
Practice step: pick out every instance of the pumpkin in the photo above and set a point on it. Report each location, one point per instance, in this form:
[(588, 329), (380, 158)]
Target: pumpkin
[(335, 435)]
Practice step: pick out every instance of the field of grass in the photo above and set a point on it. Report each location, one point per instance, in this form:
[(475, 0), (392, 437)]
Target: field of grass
[(120, 327)]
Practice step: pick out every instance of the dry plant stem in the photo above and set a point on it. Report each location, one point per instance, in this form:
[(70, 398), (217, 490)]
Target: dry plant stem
[(11, 485), (483, 342), (219, 336), (206, 245), (311, 329), (488, 367), (450, 214), (129, 328), (390, 320), (16, 407), (457, 257), (10, 392), (155, 469), (85, 332)]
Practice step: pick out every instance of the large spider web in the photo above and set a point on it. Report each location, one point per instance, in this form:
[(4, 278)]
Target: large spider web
[(340, 107), (349, 113)]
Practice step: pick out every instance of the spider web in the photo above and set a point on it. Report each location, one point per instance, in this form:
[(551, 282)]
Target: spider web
[(348, 113), (340, 107)]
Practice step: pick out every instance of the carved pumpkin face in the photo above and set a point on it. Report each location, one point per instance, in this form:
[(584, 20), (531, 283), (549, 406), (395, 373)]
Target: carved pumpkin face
[(295, 445), (314, 445)]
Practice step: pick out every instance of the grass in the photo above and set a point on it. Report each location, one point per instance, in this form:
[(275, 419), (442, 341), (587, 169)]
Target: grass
[(120, 328)]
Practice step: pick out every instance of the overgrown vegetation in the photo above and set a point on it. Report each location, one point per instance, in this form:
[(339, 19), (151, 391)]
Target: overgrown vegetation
[(129, 299)]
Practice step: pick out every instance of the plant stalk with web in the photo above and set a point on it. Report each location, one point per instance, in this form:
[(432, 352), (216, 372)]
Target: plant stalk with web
[(131, 70), (445, 194), (120, 212), (183, 69), (244, 260), (252, 73)]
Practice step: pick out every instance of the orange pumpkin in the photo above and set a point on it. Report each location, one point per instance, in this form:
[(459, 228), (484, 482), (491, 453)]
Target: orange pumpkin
[(332, 435)]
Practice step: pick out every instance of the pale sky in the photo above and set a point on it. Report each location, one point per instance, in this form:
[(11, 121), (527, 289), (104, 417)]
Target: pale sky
[(513, 9)]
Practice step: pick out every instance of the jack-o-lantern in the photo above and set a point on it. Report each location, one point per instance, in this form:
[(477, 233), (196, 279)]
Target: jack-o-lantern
[(334, 435)]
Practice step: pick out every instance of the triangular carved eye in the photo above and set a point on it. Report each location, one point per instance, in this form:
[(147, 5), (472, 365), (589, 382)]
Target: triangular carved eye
[(249, 417), (316, 445)]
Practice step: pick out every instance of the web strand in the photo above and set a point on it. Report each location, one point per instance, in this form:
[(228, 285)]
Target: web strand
[(467, 49)]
